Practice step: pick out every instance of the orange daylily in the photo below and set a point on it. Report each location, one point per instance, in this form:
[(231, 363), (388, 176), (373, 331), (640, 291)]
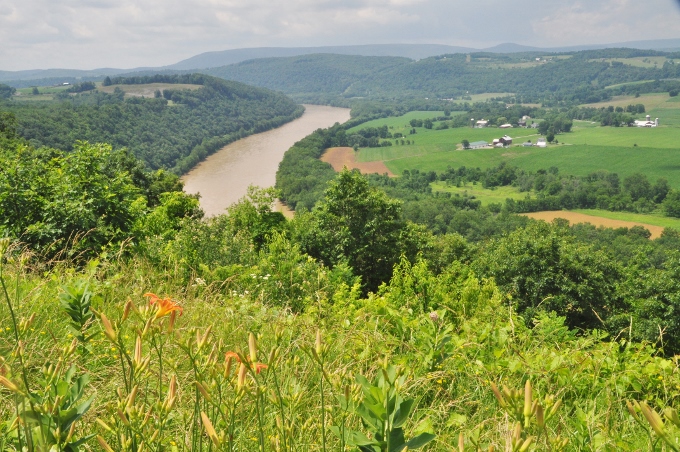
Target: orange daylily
[(165, 305), (230, 355), (258, 367)]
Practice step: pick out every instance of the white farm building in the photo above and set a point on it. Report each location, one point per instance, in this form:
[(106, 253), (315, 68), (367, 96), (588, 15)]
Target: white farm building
[(647, 122)]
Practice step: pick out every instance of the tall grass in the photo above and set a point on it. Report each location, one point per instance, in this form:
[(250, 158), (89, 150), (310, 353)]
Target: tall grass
[(233, 373)]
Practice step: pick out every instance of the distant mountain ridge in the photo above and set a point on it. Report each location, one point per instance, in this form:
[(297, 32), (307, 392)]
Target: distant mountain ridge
[(227, 57)]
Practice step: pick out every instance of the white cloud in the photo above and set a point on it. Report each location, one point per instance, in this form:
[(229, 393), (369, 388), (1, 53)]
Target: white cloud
[(129, 33), (607, 21)]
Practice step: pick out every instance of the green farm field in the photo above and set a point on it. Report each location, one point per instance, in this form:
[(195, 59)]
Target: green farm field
[(485, 195), (146, 90), (588, 148), (646, 62), (400, 123), (650, 101)]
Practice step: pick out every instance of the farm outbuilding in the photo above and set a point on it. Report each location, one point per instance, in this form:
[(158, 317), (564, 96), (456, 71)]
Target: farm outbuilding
[(478, 144)]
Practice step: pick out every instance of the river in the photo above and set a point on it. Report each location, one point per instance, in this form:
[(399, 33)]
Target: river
[(223, 178)]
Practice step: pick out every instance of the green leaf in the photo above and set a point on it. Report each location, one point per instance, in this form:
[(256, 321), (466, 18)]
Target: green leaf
[(397, 442), (402, 414), (420, 440)]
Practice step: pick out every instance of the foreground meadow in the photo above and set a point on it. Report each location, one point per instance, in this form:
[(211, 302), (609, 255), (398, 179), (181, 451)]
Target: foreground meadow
[(204, 368)]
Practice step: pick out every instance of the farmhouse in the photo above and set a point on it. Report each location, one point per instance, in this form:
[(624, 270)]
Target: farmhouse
[(527, 144), (481, 124), (502, 142), (647, 122), (478, 145), (541, 143)]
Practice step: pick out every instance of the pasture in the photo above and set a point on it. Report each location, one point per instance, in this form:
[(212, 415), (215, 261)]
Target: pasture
[(588, 148), (485, 195), (650, 101), (146, 90), (644, 62), (400, 123)]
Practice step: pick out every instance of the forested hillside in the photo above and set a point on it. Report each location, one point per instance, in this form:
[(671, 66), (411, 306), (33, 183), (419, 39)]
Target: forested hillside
[(174, 130), (569, 78)]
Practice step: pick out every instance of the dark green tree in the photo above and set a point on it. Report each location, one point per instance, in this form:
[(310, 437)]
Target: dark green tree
[(543, 268), (6, 91), (361, 226)]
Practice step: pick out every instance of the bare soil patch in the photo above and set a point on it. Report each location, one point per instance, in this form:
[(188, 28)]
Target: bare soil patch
[(574, 217), (345, 157)]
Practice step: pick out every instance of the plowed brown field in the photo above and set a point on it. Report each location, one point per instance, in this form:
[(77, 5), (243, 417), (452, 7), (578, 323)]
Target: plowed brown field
[(574, 217), (344, 157)]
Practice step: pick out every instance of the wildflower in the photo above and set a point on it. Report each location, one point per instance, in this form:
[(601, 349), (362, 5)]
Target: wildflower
[(229, 355), (165, 305), (434, 316), (259, 367)]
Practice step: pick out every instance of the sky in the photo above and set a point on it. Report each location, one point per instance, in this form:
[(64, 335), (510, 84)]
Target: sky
[(89, 34)]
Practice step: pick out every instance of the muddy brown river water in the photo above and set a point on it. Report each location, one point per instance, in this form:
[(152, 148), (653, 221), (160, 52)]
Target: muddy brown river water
[(224, 177)]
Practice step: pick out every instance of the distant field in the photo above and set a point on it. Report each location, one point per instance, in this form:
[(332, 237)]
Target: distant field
[(650, 101), (486, 96), (42, 89), (646, 62), (577, 217), (147, 90), (588, 148), (658, 137), (46, 93), (34, 98), (485, 195), (401, 122), (656, 220), (575, 160)]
